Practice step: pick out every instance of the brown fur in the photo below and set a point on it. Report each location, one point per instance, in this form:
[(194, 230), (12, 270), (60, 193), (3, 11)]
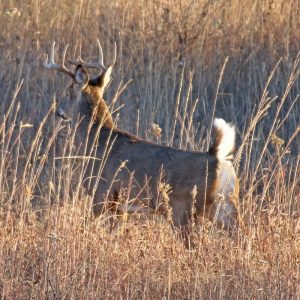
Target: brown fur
[(217, 138), (103, 115)]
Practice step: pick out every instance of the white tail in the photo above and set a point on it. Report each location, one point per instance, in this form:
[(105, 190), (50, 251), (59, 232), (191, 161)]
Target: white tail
[(224, 139)]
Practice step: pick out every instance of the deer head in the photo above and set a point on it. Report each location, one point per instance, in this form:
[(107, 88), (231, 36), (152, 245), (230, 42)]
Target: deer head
[(84, 96)]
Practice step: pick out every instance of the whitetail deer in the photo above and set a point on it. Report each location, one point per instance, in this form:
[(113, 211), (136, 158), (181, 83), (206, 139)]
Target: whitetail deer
[(211, 172)]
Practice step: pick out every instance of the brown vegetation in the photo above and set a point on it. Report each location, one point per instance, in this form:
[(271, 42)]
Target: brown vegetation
[(189, 61)]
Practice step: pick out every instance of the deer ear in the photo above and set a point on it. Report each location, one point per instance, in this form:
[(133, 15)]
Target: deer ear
[(104, 78), (81, 76)]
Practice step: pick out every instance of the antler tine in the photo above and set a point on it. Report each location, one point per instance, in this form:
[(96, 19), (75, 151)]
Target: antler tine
[(52, 53), (59, 67), (46, 63), (80, 60), (115, 54), (100, 60), (64, 56)]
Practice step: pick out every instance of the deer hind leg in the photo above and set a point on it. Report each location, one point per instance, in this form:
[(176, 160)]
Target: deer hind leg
[(225, 206), (223, 210), (224, 213), (182, 218)]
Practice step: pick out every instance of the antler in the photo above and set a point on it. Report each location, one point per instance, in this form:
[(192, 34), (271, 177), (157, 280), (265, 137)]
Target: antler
[(99, 65), (59, 67)]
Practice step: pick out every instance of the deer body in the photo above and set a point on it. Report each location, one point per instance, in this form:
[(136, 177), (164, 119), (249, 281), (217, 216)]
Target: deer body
[(136, 165), (182, 171)]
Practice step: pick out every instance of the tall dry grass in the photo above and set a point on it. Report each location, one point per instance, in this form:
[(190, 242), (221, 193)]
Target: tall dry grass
[(189, 61)]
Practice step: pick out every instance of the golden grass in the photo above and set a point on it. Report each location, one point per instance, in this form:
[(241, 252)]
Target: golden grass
[(189, 61)]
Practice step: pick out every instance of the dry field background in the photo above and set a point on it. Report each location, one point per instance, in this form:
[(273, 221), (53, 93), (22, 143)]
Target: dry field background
[(189, 61)]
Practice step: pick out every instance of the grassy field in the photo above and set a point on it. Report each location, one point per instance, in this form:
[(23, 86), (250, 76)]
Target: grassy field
[(184, 63)]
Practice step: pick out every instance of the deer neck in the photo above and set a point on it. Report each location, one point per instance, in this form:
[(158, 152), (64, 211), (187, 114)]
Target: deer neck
[(94, 109)]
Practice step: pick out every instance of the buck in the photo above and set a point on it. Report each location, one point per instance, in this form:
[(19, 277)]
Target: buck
[(135, 165)]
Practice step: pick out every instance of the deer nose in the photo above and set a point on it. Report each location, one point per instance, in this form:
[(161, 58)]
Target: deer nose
[(62, 114)]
